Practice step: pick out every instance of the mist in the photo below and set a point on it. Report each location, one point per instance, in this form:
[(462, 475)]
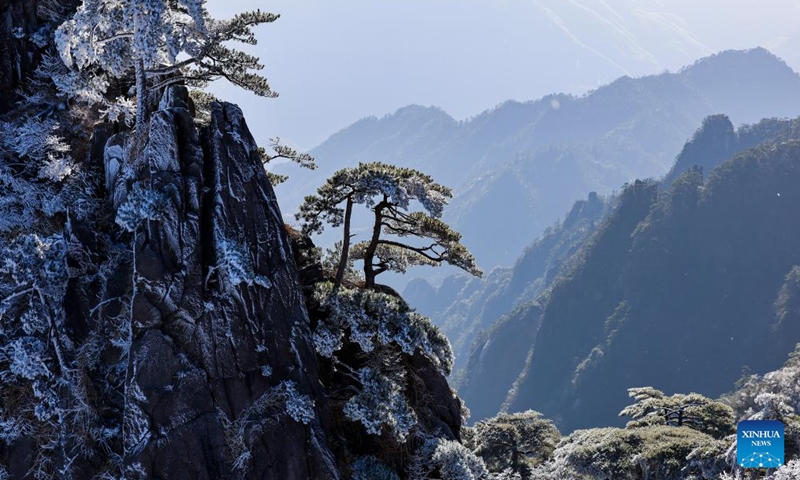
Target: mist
[(336, 62)]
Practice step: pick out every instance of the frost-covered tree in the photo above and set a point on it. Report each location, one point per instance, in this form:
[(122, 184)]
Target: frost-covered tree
[(514, 442), (447, 460), (158, 43), (654, 452), (695, 411), (285, 152), (400, 237)]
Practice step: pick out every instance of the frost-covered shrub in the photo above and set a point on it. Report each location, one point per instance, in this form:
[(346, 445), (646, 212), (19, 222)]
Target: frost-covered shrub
[(657, 453), (380, 403), (25, 204), (41, 395), (235, 263), (33, 271), (35, 139), (298, 406), (241, 432), (383, 329), (709, 461), (56, 168), (26, 358), (773, 396), (790, 471), (446, 460), (514, 442), (370, 468), (784, 382), (373, 319), (142, 205)]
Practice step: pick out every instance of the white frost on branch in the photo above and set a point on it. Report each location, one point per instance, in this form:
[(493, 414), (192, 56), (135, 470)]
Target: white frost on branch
[(235, 264), (381, 403), (142, 205), (37, 141), (371, 319)]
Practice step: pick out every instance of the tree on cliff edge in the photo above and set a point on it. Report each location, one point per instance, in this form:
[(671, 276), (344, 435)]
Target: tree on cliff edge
[(388, 191), (158, 43)]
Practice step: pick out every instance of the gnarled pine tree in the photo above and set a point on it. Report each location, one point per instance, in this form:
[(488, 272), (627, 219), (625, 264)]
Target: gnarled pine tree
[(389, 192), (160, 42)]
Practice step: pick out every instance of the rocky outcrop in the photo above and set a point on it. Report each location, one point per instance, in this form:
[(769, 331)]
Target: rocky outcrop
[(23, 36), (220, 354), (152, 321), (439, 411)]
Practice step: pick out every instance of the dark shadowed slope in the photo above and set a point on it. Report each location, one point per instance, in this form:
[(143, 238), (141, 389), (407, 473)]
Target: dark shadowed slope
[(677, 289)]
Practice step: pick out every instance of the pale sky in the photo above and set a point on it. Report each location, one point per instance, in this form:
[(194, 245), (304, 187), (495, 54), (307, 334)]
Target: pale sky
[(335, 61)]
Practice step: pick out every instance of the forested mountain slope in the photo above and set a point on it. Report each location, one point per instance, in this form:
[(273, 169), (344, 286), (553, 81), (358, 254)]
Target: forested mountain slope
[(681, 289), (464, 306), (493, 304)]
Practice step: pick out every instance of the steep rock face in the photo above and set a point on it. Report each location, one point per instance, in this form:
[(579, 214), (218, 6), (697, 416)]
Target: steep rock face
[(18, 18), (220, 362), (23, 35)]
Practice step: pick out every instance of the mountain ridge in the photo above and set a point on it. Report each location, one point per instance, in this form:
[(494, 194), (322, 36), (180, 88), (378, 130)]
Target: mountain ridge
[(631, 128)]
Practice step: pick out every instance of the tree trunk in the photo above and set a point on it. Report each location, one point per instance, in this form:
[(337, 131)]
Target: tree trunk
[(141, 94), (369, 254), (345, 245)]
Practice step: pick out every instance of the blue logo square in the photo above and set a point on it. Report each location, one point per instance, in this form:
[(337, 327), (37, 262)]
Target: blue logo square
[(759, 444)]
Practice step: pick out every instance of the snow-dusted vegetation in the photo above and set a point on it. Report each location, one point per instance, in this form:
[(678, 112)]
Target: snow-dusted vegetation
[(129, 340), (159, 320)]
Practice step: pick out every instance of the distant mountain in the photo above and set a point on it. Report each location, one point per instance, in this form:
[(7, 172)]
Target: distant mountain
[(516, 167), (490, 320), (465, 306), (680, 288)]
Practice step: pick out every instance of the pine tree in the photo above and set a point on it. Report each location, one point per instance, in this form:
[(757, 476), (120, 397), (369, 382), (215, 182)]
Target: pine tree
[(695, 411), (279, 150), (160, 42), (389, 192)]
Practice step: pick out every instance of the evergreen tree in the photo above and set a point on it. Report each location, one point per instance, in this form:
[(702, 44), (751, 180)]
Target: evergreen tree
[(285, 152), (159, 43), (695, 411), (515, 442), (388, 191)]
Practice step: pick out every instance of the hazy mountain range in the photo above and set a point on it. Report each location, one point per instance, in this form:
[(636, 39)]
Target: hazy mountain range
[(685, 260), (468, 55), (518, 167)]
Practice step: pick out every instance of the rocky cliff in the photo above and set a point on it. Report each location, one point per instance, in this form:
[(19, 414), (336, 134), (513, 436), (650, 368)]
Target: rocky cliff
[(179, 347), (220, 352), (152, 319)]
